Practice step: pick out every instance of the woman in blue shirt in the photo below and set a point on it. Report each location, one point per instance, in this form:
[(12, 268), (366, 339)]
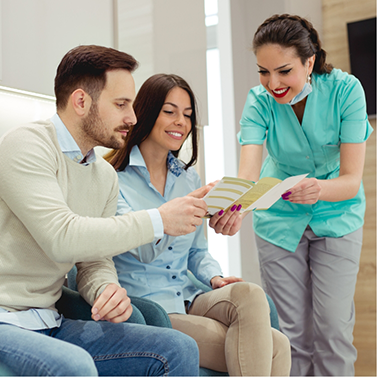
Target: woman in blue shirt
[(313, 119), (230, 323)]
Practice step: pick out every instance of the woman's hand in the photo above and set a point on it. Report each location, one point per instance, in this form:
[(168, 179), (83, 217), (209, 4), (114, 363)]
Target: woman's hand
[(227, 224), (305, 192), (218, 281)]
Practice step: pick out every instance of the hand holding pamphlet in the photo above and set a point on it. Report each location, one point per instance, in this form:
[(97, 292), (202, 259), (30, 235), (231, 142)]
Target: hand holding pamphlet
[(252, 196)]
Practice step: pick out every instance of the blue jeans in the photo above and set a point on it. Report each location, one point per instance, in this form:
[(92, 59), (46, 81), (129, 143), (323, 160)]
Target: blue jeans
[(88, 348)]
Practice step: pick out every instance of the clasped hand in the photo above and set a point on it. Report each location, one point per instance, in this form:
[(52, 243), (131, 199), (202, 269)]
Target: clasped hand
[(112, 305)]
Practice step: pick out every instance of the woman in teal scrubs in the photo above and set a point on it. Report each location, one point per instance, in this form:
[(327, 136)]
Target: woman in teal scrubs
[(313, 119)]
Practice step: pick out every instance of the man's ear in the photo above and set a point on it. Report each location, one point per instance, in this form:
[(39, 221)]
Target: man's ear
[(81, 102)]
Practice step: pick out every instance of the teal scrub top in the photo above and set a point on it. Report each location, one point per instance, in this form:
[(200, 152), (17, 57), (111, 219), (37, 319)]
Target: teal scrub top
[(335, 113)]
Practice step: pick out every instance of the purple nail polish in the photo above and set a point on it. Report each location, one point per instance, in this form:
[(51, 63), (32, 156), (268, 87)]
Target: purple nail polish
[(221, 212), (239, 207), (233, 208)]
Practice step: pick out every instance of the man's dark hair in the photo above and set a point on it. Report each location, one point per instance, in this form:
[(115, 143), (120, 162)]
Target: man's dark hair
[(85, 67)]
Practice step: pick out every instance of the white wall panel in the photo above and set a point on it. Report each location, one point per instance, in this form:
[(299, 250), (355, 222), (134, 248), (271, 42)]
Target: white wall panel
[(37, 33)]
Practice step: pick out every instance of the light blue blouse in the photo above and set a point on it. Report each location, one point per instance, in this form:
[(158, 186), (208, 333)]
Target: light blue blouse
[(335, 113), (162, 277)]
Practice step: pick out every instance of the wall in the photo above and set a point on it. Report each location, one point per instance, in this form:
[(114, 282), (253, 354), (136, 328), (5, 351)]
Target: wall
[(168, 36), (37, 33), (336, 14)]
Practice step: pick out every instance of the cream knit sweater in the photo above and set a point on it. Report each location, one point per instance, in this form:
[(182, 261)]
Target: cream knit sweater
[(54, 213)]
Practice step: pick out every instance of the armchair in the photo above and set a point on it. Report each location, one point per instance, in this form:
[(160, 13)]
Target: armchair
[(145, 311)]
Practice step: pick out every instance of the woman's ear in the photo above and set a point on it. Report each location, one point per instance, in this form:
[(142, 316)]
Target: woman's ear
[(81, 102), (311, 62)]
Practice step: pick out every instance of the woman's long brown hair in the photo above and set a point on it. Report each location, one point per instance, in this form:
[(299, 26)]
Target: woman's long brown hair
[(147, 106)]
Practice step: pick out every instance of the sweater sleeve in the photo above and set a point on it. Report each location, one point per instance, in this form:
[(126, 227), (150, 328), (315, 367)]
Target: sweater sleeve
[(30, 188), (93, 277)]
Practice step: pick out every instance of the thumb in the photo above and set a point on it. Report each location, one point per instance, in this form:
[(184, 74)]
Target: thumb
[(200, 192)]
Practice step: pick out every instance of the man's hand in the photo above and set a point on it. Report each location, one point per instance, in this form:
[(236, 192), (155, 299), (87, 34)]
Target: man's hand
[(181, 216), (202, 191), (227, 224), (218, 281), (112, 305)]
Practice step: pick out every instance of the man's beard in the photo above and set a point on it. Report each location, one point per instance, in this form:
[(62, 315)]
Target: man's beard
[(95, 128)]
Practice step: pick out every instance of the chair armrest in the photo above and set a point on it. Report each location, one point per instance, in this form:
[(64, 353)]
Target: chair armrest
[(153, 313), (73, 306)]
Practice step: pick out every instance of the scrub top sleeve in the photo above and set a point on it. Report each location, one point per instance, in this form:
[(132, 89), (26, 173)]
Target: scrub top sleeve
[(355, 127), (254, 119)]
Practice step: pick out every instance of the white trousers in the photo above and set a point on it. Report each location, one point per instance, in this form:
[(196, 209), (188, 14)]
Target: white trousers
[(313, 290)]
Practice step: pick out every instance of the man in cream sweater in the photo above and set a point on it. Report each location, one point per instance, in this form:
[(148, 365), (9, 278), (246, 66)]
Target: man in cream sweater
[(57, 208)]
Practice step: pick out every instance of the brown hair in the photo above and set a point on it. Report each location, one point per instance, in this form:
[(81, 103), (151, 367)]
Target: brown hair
[(147, 106), (85, 67), (293, 31)]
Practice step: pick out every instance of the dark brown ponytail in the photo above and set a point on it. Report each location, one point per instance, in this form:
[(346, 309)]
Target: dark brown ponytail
[(293, 31)]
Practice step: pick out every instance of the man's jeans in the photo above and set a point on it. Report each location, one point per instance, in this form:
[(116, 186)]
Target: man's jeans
[(88, 348)]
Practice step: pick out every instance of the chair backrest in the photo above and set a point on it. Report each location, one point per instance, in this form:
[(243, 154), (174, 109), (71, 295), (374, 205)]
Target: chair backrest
[(71, 279)]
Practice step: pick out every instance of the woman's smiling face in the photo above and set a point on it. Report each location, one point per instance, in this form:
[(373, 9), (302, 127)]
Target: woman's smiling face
[(281, 72), (174, 121)]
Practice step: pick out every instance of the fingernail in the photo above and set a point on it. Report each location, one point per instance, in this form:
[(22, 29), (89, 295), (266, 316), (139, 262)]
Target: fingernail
[(95, 310), (97, 317), (287, 193), (239, 207), (221, 212), (233, 208)]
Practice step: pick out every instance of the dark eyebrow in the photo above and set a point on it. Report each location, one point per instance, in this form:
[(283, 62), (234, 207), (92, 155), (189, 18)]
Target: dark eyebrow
[(174, 105), (123, 99), (275, 69)]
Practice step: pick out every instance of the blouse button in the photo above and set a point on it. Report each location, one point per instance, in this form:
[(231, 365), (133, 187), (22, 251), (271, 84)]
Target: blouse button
[(178, 293), (168, 267), (170, 248), (307, 157), (173, 277)]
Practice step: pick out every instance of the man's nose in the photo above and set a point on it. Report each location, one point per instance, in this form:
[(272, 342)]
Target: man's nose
[(131, 119)]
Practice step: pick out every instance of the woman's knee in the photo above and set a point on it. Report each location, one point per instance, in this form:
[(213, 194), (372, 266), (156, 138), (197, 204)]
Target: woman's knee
[(281, 342), (248, 294)]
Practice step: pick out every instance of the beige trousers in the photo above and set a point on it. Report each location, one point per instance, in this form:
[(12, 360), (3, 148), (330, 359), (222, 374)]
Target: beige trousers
[(231, 326)]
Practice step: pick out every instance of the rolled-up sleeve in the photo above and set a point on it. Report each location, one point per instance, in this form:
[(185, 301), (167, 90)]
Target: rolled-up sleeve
[(253, 121), (355, 127)]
